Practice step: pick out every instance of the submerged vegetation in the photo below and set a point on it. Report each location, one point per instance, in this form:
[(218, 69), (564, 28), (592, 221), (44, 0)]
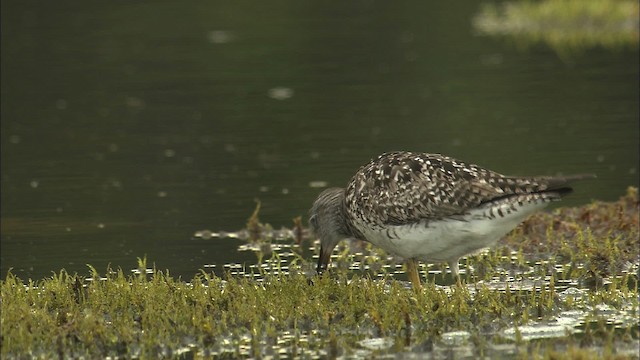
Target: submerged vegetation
[(565, 25), (564, 285)]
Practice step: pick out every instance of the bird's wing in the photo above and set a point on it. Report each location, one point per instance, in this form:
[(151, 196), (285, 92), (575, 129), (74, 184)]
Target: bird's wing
[(403, 188)]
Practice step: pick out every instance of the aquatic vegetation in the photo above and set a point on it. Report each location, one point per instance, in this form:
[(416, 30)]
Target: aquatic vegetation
[(565, 25), (563, 285)]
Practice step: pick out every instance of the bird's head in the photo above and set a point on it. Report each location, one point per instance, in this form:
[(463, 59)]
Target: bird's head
[(328, 223)]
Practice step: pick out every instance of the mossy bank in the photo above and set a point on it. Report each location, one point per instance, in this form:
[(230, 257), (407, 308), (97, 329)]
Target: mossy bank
[(564, 285)]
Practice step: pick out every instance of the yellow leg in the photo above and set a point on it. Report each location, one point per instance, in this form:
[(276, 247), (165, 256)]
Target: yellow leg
[(412, 272)]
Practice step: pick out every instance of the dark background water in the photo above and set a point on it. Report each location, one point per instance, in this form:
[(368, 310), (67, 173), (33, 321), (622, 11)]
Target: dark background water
[(128, 126)]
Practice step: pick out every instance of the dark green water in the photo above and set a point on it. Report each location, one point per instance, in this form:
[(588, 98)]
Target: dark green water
[(128, 126)]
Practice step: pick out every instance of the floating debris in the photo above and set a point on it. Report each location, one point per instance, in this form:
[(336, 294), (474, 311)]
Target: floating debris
[(318, 184), (254, 227), (280, 93), (298, 230), (220, 36)]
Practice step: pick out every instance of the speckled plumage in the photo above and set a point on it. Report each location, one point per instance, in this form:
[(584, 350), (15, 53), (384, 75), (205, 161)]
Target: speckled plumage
[(403, 187), (429, 207)]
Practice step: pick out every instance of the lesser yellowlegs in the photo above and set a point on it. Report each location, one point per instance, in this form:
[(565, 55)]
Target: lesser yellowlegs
[(429, 207)]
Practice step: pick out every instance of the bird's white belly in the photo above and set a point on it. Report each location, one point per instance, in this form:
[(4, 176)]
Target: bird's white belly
[(447, 239)]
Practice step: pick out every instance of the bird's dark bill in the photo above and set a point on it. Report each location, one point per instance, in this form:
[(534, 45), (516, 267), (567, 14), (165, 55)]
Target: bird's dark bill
[(323, 261)]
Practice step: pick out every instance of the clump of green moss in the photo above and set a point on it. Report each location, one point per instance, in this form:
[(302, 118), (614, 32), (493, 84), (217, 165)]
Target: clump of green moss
[(156, 315), (603, 235), (534, 280), (566, 25)]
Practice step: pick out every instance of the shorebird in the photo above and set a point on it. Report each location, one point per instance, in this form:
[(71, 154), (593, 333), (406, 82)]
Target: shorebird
[(429, 207)]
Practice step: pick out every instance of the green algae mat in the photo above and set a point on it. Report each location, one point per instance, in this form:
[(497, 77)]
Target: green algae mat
[(562, 285)]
